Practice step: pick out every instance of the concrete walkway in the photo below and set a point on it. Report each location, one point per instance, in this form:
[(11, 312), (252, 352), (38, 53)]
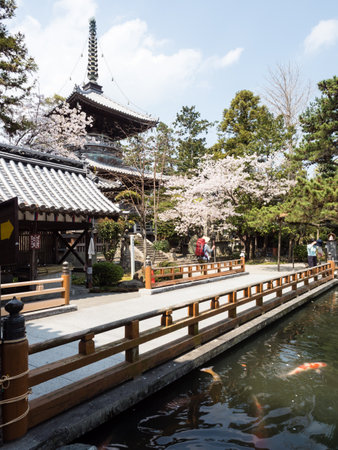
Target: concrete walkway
[(95, 310)]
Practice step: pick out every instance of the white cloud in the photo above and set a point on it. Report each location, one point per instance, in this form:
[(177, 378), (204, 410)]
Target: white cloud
[(138, 60), (56, 46), (324, 34), (231, 57)]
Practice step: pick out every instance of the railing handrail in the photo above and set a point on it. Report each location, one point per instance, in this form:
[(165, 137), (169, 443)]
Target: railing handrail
[(71, 337), (63, 289), (196, 264), (31, 283)]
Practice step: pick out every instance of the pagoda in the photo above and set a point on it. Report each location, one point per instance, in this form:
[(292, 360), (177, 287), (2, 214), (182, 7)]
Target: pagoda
[(111, 121)]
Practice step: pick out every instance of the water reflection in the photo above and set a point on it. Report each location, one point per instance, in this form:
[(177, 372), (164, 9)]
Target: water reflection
[(252, 404)]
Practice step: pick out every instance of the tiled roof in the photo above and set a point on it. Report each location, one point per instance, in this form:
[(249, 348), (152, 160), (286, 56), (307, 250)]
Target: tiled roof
[(119, 170), (102, 100), (51, 186)]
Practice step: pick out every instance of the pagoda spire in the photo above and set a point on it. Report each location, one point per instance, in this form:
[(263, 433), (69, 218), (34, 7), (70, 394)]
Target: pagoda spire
[(92, 67)]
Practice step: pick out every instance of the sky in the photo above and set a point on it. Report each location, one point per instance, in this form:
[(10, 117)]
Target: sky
[(156, 56)]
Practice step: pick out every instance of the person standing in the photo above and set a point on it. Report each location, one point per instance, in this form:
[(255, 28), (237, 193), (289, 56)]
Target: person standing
[(320, 251), (312, 254)]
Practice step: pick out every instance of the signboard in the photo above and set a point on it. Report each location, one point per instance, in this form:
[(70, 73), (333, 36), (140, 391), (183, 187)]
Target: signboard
[(9, 242), (35, 241)]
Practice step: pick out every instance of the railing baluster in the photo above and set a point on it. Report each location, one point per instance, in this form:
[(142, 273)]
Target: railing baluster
[(167, 318), (132, 332), (214, 304), (259, 290), (233, 299), (86, 344), (193, 311)]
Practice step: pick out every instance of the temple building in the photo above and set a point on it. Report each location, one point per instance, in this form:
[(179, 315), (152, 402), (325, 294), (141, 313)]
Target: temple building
[(56, 198)]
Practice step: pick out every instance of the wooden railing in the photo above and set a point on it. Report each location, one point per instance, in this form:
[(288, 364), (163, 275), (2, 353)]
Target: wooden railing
[(166, 276), (40, 291), (239, 306)]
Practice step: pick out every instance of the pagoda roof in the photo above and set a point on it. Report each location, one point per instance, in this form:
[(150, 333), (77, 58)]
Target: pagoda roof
[(48, 183), (120, 170), (110, 118)]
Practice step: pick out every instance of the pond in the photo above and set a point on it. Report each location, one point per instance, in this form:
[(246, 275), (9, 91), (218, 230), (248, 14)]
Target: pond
[(255, 401)]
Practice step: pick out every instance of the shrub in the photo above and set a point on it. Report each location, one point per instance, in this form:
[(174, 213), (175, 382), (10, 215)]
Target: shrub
[(106, 273), (162, 245), (78, 280), (300, 253)]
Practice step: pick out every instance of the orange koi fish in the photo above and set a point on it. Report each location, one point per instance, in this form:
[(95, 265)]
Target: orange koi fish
[(307, 366), (210, 370), (258, 406)]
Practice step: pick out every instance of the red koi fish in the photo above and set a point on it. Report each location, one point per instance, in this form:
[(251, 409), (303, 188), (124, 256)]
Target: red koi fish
[(307, 366), (210, 370)]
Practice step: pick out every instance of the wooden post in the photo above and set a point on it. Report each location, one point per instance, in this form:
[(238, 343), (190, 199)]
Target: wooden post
[(243, 264), (167, 318), (332, 268), (87, 345), (132, 332), (193, 312), (14, 355), (279, 291), (33, 254), (66, 282), (232, 299), (147, 274), (214, 304), (259, 290)]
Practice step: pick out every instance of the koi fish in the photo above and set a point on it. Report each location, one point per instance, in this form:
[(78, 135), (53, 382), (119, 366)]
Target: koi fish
[(258, 406), (307, 366), (210, 370)]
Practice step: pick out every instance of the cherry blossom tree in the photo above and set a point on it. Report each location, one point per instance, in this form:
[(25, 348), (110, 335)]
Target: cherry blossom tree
[(220, 189), (51, 125)]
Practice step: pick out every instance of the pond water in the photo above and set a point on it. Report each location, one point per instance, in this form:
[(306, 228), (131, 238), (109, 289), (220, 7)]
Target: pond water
[(255, 404)]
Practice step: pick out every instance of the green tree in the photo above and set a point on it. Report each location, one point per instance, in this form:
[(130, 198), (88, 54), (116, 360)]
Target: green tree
[(111, 232), (191, 141), (15, 68), (165, 155), (149, 155), (314, 202), (320, 128), (248, 127)]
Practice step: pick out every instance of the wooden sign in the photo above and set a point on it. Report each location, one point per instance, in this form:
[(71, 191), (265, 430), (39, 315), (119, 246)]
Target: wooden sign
[(35, 241), (9, 243)]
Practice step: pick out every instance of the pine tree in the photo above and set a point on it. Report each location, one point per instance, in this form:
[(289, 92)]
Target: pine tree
[(15, 68), (190, 129), (320, 128), (248, 127)]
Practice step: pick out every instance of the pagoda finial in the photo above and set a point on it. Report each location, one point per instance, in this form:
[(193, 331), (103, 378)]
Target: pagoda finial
[(92, 69)]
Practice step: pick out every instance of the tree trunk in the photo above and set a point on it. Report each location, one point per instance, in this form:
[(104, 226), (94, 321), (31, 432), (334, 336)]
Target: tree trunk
[(250, 247), (265, 244), (290, 250)]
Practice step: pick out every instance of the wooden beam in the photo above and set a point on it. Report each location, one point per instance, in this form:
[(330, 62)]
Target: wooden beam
[(71, 248)]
